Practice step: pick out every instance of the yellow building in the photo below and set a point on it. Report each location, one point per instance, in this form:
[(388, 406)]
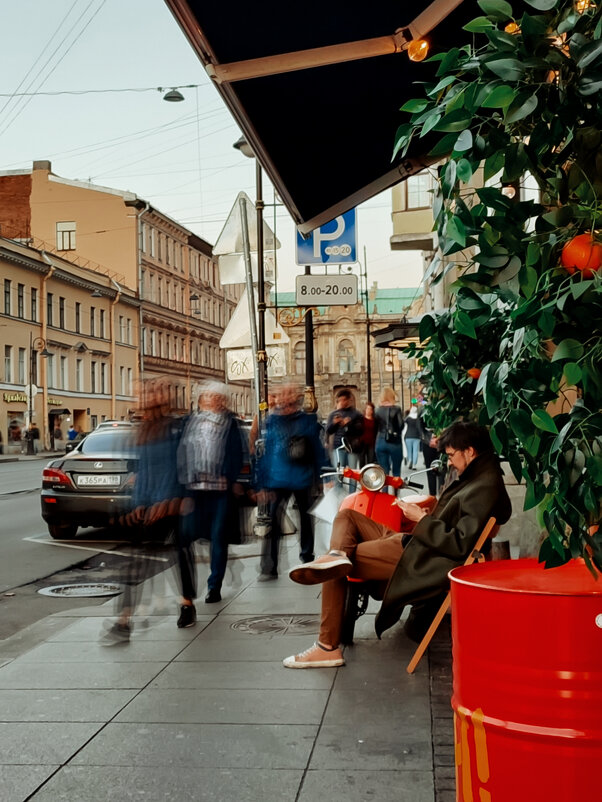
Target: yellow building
[(184, 308), (69, 347)]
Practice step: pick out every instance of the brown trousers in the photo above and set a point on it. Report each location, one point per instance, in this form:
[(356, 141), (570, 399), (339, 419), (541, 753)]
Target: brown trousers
[(374, 550)]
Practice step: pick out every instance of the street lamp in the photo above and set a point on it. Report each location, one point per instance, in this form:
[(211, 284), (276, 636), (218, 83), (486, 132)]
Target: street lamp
[(35, 345)]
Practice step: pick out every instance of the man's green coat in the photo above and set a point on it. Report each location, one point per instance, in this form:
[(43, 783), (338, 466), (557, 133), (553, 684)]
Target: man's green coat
[(445, 538)]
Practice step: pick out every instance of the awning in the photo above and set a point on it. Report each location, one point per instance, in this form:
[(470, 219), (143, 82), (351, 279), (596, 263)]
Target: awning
[(323, 134), (397, 335), (59, 412)]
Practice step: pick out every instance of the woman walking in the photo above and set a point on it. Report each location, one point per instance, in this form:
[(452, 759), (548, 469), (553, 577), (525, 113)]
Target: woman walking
[(389, 450)]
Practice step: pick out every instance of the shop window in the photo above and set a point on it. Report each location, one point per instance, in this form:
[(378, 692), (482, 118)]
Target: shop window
[(65, 236)]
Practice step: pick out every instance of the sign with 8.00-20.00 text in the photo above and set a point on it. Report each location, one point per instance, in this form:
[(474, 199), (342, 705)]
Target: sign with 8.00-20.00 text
[(326, 290)]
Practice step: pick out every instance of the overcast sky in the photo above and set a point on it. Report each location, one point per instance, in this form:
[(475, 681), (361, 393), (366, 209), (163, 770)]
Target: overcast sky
[(178, 156)]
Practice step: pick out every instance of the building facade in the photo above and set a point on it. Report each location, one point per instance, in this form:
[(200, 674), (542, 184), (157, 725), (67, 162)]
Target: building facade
[(183, 307), (69, 347)]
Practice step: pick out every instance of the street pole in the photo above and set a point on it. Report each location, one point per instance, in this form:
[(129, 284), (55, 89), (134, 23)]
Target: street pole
[(310, 403), (30, 448), (368, 354), (251, 302), (262, 358)]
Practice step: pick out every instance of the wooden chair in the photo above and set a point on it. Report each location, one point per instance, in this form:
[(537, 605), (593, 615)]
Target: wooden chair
[(474, 556)]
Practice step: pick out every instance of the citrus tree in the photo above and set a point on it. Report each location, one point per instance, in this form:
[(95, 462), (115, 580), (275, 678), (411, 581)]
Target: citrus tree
[(520, 105)]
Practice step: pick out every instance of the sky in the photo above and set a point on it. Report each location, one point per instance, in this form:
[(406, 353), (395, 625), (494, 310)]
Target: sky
[(61, 63)]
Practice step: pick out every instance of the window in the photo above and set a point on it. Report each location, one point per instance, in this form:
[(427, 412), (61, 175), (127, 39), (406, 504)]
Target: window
[(128, 331), (159, 290), (34, 304), (92, 319), (418, 189), (65, 236), (63, 373), (122, 380), (21, 300), (49, 307), (168, 250), (62, 313), (121, 329), (92, 377), (160, 344), (143, 237), (153, 343), (346, 357), (129, 387), (21, 379), (7, 296), (142, 281), (159, 246), (299, 358), (168, 346), (153, 242), (78, 317), (102, 322), (103, 377), (50, 377), (168, 294), (78, 375), (151, 287)]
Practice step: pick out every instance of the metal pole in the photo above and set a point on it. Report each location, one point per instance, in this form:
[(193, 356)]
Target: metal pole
[(30, 449), (310, 403), (401, 385), (250, 298), (262, 359), (368, 353)]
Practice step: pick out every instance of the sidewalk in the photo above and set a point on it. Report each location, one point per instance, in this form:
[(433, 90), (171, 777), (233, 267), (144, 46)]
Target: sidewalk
[(209, 713)]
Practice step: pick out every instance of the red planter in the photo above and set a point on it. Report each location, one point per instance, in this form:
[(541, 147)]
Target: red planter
[(527, 658)]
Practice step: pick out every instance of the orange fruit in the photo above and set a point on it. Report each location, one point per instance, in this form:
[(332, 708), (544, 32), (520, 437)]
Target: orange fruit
[(582, 253), (474, 373)]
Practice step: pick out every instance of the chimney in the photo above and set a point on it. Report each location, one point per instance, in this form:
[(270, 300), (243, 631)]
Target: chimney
[(43, 164)]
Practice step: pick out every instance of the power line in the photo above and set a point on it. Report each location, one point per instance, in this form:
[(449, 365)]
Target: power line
[(99, 91)]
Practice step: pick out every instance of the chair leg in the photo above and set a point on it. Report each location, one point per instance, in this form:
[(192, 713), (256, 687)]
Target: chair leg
[(423, 645)]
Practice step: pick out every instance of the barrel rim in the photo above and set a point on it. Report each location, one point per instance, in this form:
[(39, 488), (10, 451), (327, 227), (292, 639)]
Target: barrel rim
[(526, 563)]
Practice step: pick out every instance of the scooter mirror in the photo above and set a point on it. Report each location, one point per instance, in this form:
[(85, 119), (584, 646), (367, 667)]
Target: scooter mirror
[(345, 445), (438, 467)]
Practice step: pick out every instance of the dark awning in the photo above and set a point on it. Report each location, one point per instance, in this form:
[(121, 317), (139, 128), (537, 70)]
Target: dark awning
[(59, 412), (397, 335), (324, 135)]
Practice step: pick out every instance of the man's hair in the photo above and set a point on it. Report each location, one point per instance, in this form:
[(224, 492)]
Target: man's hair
[(464, 434), (344, 393)]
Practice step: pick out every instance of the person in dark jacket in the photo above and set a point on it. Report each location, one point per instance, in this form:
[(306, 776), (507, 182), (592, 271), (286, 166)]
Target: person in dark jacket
[(415, 566), (292, 458), (389, 423), (412, 435), (368, 454), (209, 463), (345, 423)]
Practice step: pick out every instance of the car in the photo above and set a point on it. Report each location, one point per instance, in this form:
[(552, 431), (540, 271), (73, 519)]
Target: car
[(93, 484)]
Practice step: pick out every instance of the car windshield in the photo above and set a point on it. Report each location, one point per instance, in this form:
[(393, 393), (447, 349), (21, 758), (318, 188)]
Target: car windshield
[(110, 441)]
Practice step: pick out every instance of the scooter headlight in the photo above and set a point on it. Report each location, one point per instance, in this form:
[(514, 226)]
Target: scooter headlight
[(372, 477)]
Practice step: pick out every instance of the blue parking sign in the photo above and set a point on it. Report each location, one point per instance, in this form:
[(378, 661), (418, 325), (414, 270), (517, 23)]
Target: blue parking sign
[(333, 243)]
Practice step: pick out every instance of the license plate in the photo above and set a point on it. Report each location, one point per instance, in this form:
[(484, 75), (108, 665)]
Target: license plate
[(102, 479)]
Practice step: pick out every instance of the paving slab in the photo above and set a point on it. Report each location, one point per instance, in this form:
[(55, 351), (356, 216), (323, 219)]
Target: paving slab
[(241, 675), (56, 675), (367, 786), (226, 707), (63, 705), (154, 628), (253, 649), (107, 784), (235, 746), (88, 651), (42, 743), (17, 783)]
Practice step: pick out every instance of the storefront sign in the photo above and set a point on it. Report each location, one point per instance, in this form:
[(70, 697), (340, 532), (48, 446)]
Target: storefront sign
[(54, 402), (10, 397)]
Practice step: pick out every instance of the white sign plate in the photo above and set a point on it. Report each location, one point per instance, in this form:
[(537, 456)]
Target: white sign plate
[(326, 290), (241, 365)]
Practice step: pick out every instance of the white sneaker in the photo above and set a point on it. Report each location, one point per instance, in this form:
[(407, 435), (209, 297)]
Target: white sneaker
[(315, 657), (328, 566)]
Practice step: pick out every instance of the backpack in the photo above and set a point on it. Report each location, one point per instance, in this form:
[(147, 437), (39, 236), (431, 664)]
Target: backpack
[(392, 432)]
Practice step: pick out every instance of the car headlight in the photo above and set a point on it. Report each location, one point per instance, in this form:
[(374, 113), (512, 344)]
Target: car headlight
[(372, 477)]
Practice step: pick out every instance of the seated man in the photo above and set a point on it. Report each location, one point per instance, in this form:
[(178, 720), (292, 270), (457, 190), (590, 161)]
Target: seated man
[(416, 569)]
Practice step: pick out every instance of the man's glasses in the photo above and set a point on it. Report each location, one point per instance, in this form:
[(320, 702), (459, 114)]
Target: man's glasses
[(452, 454)]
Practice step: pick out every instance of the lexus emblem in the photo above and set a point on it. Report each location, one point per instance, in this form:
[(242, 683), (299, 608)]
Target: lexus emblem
[(98, 464)]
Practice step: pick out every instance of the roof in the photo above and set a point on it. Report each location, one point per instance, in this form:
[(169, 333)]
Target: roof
[(324, 134)]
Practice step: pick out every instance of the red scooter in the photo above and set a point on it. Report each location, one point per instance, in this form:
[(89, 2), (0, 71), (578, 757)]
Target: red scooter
[(380, 507)]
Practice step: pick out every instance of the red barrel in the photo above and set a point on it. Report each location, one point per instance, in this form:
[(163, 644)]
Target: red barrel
[(527, 661)]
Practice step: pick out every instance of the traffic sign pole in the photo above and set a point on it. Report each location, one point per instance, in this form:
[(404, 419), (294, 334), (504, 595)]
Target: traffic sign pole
[(309, 402)]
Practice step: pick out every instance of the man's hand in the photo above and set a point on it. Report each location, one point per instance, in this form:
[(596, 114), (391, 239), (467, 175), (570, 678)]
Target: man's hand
[(411, 511)]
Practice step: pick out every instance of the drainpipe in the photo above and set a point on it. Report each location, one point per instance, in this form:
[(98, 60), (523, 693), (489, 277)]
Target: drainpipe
[(44, 328), (140, 377), (113, 352)]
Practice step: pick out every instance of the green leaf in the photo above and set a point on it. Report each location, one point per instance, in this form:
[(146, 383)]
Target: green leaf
[(463, 142), (544, 421), (499, 97), (527, 277), (464, 325), (515, 465), (542, 5), (427, 327), (568, 349), (456, 120), (534, 494), (520, 421), (590, 54), (416, 104), (445, 145), (509, 69), (498, 9), (455, 231), (520, 108), (464, 170), (430, 123), (478, 25), (572, 373)]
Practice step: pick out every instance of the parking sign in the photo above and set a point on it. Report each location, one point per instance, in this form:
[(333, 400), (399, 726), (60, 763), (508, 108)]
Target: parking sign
[(332, 243)]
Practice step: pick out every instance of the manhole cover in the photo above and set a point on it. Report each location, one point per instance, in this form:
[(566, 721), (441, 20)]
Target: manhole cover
[(278, 624), (82, 591)]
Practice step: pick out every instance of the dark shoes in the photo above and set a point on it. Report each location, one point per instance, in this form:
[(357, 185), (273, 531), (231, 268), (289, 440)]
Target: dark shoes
[(267, 577), (187, 616), (118, 633), (213, 596)]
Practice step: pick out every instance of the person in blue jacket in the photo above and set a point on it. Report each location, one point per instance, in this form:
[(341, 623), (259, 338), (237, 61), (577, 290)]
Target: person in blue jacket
[(292, 459)]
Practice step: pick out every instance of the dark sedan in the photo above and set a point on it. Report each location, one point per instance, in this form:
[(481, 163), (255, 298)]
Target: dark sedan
[(91, 485)]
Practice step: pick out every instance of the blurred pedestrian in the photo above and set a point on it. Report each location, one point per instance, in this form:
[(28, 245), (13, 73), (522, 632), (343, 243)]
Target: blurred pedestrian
[(369, 435), (209, 462), (71, 433), (289, 466), (388, 447), (153, 520), (412, 435), (346, 426)]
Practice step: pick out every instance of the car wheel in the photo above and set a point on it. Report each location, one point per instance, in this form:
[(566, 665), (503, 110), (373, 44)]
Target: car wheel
[(62, 531)]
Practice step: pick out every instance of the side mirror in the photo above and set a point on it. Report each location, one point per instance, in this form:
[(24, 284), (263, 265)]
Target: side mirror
[(438, 467)]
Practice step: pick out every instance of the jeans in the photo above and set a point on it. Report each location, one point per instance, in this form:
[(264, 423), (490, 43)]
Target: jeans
[(206, 521), (412, 446), (271, 544), (389, 456), (353, 461)]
